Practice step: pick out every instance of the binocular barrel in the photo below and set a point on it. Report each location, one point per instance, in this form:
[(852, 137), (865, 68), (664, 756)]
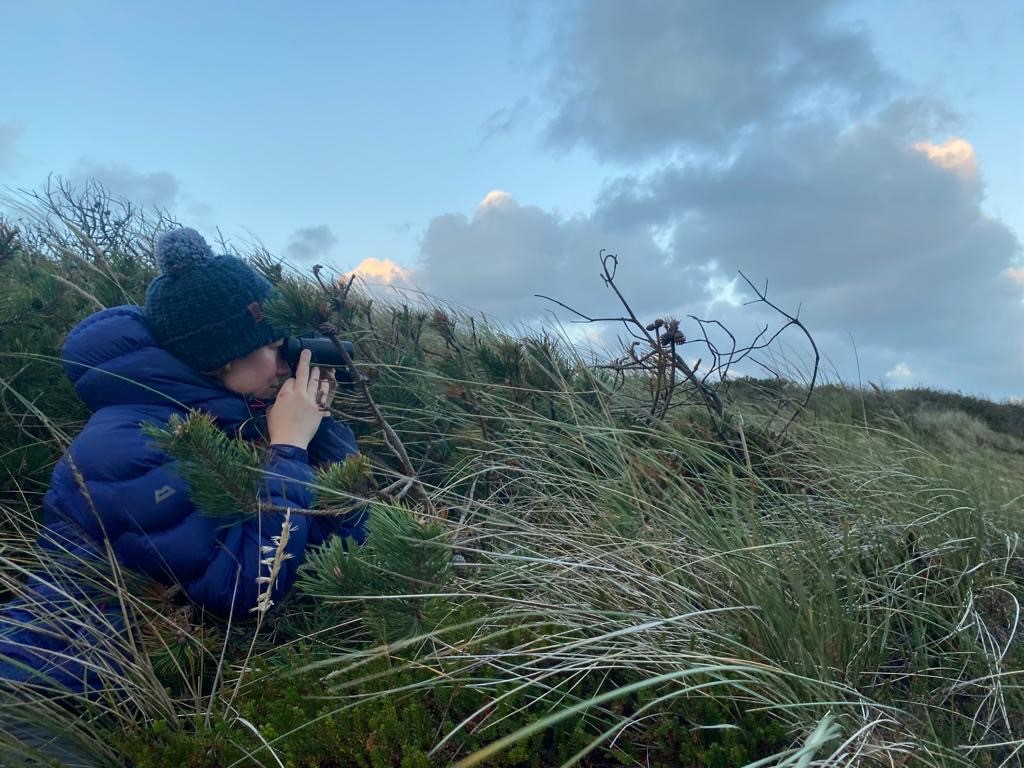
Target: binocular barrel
[(323, 353)]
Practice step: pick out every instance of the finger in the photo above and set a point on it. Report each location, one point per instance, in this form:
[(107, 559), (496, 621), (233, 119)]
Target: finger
[(302, 368), (313, 383), (324, 397), (329, 377)]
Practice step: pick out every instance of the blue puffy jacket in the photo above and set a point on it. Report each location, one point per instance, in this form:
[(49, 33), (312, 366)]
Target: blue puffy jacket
[(114, 484)]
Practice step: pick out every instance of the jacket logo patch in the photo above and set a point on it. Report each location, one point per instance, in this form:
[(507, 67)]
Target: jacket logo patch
[(256, 311), (163, 494)]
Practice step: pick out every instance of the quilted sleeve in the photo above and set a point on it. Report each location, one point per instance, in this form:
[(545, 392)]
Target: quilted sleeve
[(232, 576), (333, 441), (217, 564)]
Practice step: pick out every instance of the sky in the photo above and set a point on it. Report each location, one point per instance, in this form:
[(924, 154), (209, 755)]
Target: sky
[(865, 159)]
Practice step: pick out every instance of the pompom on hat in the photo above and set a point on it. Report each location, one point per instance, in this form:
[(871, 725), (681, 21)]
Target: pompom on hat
[(179, 250), (205, 309)]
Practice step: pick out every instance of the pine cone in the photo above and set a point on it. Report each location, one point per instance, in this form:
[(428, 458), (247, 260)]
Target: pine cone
[(670, 337)]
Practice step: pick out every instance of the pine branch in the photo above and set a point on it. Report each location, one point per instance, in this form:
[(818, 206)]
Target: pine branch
[(218, 469), (402, 558)]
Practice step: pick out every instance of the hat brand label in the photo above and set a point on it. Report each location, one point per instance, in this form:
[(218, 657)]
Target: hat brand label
[(256, 311)]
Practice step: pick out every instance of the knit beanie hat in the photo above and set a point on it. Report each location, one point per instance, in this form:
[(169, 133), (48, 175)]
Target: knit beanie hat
[(206, 309)]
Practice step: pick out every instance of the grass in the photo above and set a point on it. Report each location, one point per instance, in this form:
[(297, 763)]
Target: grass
[(626, 591)]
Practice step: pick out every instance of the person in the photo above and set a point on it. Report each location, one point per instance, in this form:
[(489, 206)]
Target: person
[(200, 342)]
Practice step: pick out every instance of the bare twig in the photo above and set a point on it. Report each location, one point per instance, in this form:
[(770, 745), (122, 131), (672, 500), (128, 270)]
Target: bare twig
[(643, 333), (661, 342), (762, 297)]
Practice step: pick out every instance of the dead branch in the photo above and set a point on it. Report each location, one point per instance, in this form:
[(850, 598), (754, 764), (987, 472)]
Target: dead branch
[(663, 347), (762, 297), (656, 352)]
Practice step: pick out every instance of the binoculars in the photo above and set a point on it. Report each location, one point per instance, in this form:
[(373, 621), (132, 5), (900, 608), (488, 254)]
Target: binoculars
[(322, 353)]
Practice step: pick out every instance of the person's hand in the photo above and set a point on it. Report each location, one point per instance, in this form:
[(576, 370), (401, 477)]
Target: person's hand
[(328, 387), (296, 414)]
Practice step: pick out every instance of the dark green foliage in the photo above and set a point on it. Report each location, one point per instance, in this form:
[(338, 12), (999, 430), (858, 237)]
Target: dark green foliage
[(401, 559), (870, 552), (297, 306), (36, 397), (344, 479), (703, 732), (221, 471), (180, 647), (888, 409), (374, 728), (71, 252)]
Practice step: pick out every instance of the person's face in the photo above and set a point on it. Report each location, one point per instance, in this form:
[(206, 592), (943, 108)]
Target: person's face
[(258, 373)]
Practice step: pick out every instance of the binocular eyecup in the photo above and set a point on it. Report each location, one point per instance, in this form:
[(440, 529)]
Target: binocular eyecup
[(322, 353)]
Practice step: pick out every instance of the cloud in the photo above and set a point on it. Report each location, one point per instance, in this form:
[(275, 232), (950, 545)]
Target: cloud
[(504, 120), (310, 243), (901, 371), (158, 188), (875, 232), (633, 80), (9, 135), (767, 138), (498, 258), (954, 154), (1016, 274), (384, 271), (496, 198)]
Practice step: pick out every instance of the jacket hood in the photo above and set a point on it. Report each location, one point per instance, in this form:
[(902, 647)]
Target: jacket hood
[(112, 358)]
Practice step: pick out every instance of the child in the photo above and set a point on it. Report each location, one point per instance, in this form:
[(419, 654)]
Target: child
[(201, 342)]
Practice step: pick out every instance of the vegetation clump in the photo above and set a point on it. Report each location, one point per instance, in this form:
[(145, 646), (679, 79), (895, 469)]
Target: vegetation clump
[(570, 560)]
